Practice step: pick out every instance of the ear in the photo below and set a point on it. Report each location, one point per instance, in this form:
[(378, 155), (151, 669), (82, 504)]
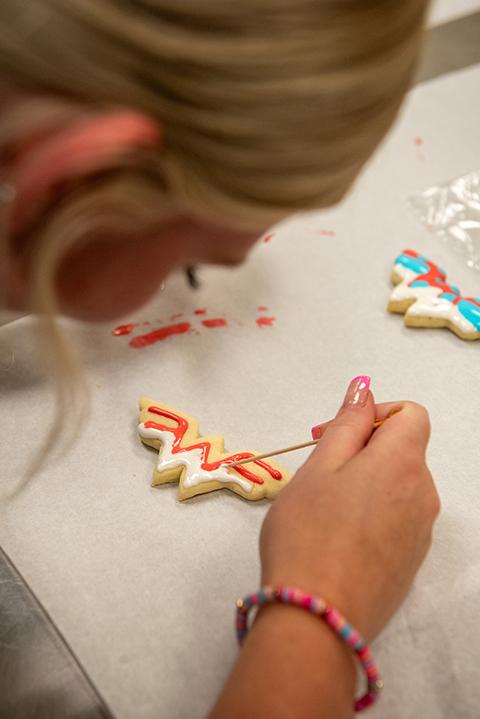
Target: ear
[(85, 147)]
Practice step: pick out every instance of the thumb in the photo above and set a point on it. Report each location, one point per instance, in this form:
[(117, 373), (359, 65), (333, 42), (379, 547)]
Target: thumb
[(348, 433)]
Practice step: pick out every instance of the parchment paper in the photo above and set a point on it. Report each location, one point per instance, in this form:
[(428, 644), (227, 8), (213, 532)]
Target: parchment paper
[(143, 587)]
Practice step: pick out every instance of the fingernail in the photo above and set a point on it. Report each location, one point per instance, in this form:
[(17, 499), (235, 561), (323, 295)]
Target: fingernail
[(316, 431), (357, 392)]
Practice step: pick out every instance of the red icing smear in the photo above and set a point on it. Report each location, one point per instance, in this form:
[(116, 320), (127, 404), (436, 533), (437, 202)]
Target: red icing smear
[(200, 312), (268, 237), (327, 233), (218, 322), (418, 142), (159, 335), (323, 232), (265, 321), (262, 308), (205, 447), (123, 329)]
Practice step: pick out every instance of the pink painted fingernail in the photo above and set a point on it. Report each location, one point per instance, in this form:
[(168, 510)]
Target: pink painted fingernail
[(357, 392), (316, 431)]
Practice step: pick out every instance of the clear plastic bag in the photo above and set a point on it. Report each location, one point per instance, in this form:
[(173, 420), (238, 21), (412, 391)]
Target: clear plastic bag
[(452, 210)]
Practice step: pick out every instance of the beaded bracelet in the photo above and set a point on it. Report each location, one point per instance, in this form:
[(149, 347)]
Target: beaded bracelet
[(317, 606)]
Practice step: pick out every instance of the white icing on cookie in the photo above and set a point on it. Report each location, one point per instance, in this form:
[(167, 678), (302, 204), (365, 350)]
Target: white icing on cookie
[(403, 291), (405, 273), (190, 459), (436, 308)]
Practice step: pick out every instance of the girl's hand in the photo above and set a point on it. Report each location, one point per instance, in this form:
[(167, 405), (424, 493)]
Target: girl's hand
[(355, 523)]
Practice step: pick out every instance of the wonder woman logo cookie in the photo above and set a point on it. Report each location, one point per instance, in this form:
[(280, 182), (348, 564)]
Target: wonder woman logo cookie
[(424, 297), (200, 464)]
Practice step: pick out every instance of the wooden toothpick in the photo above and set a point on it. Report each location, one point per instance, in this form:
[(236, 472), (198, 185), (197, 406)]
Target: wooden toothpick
[(294, 447), (272, 454)]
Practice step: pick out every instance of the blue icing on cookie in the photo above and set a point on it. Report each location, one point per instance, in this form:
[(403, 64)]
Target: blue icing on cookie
[(470, 309), (416, 264)]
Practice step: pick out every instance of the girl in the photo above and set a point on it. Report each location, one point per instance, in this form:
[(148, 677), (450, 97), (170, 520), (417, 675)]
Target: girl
[(139, 136)]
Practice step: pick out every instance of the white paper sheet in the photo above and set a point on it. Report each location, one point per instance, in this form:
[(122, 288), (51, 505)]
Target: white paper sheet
[(445, 10), (143, 587)]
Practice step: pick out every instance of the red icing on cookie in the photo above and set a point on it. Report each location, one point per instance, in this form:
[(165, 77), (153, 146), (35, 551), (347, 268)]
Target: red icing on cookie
[(179, 432)]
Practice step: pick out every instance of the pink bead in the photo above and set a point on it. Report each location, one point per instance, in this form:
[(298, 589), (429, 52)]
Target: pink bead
[(364, 653), (354, 637), (330, 615), (318, 605), (364, 702)]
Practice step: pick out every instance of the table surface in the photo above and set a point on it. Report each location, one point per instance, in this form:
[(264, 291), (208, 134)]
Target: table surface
[(444, 10), (142, 586)]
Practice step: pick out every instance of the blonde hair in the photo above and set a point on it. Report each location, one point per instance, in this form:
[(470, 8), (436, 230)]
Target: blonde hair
[(269, 106)]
